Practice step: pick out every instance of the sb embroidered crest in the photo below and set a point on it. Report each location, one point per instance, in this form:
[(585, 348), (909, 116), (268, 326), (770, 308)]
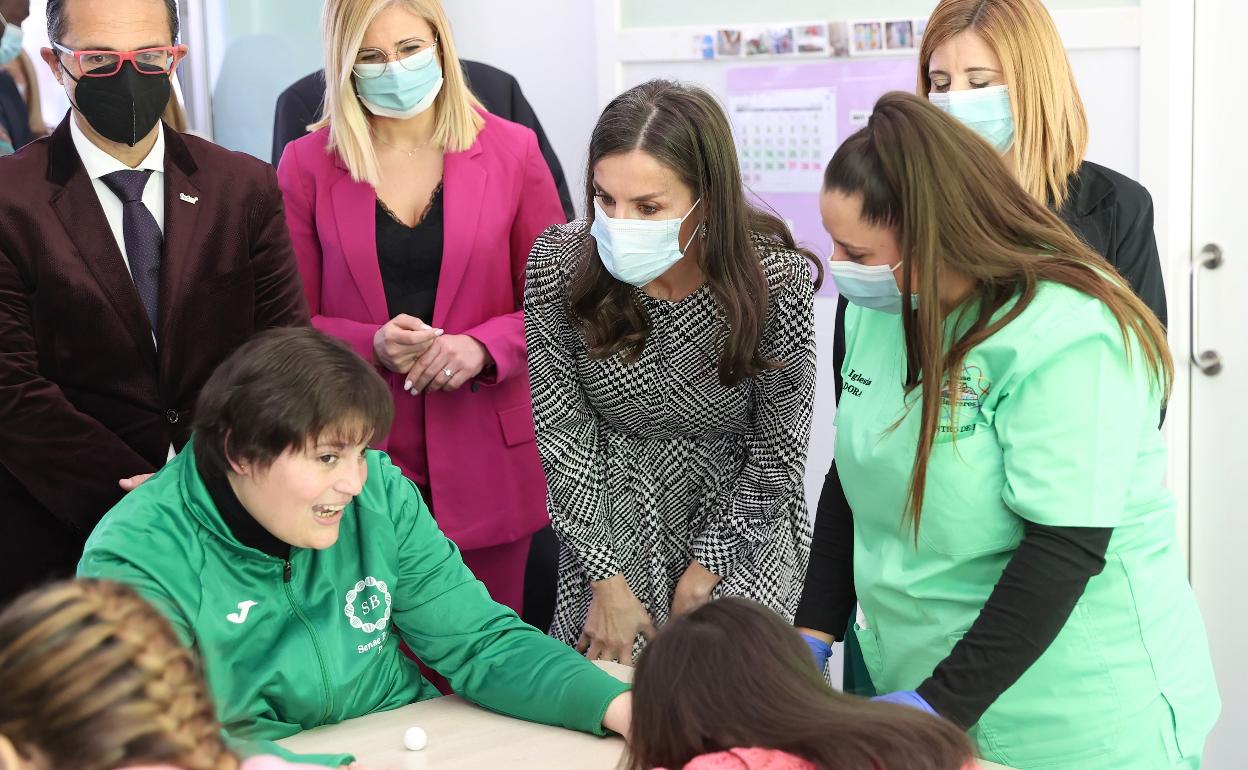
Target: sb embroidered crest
[(373, 599)]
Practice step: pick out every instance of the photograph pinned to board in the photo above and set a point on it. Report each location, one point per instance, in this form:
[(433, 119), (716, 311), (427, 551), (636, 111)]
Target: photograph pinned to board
[(756, 42), (838, 38), (704, 46), (728, 42), (899, 35), (868, 38), (920, 27), (813, 39), (780, 40)]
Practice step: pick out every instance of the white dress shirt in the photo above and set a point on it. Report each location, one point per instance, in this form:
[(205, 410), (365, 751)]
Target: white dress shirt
[(98, 163)]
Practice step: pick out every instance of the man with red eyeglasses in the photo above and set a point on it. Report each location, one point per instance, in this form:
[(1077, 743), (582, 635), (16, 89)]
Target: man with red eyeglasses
[(133, 260)]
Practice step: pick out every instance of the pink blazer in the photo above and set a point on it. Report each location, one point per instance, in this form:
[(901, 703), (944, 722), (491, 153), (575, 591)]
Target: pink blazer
[(485, 477)]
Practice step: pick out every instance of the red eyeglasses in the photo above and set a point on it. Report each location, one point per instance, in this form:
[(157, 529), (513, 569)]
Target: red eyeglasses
[(146, 61)]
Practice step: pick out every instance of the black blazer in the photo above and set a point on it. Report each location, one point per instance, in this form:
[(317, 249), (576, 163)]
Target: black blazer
[(13, 114), (85, 397), (1114, 215), (300, 105)]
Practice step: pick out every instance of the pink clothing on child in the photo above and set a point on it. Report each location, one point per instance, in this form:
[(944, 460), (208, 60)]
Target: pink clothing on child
[(761, 759), (748, 759)]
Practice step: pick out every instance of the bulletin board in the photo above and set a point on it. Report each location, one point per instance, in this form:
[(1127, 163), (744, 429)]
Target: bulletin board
[(1111, 44), (853, 61), (789, 119)]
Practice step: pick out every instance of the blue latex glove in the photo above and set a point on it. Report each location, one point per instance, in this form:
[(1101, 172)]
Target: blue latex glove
[(908, 698), (820, 649)]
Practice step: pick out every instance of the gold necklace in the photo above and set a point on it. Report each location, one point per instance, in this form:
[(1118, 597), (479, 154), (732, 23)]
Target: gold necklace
[(411, 153)]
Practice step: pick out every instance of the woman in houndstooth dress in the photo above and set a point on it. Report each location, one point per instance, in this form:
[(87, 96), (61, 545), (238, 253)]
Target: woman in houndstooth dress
[(672, 479)]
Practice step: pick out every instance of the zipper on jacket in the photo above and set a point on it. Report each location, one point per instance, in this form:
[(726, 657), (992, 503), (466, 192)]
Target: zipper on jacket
[(316, 645)]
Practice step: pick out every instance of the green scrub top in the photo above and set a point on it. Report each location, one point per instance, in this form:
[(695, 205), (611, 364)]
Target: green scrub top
[(1054, 425)]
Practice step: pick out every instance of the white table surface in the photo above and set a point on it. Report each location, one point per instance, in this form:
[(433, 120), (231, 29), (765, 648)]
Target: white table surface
[(467, 737)]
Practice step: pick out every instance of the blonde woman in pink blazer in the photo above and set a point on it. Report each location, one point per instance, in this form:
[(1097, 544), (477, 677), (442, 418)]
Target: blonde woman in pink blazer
[(412, 212)]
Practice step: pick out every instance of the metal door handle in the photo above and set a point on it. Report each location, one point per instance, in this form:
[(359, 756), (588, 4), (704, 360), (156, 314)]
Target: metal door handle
[(1207, 361)]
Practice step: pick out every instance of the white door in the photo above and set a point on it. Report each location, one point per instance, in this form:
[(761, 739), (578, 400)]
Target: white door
[(1219, 385)]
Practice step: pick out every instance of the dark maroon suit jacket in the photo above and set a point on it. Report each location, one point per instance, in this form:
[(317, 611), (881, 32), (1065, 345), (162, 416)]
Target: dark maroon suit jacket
[(85, 396)]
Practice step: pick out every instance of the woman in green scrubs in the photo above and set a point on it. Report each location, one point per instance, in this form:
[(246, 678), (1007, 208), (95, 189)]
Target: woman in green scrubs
[(1000, 67), (1012, 542)]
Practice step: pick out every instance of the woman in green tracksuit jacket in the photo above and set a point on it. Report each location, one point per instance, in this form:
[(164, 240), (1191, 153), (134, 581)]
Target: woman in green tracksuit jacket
[(294, 560)]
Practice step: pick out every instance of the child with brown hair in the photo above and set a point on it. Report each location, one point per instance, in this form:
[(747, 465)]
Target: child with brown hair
[(730, 685), (94, 678)]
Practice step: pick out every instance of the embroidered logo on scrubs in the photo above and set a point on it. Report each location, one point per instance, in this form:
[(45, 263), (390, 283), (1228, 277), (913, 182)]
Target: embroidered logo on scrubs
[(368, 605), (968, 394), (854, 382)]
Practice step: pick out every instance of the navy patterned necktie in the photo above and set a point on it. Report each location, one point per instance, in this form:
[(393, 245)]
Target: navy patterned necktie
[(144, 240)]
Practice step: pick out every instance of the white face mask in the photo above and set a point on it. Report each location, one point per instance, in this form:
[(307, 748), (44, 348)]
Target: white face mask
[(871, 286), (637, 251)]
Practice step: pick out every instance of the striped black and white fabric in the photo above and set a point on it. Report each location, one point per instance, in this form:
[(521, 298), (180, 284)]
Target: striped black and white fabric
[(652, 464)]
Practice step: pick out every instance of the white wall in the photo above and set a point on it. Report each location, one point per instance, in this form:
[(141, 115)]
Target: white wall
[(255, 50), (548, 45)]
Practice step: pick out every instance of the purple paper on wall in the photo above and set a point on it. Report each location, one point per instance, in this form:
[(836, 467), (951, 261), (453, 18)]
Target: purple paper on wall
[(852, 85)]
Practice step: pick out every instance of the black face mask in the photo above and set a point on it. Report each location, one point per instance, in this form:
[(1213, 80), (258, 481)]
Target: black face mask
[(124, 107)]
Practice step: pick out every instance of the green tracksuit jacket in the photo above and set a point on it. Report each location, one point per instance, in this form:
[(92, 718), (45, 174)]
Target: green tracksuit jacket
[(291, 645)]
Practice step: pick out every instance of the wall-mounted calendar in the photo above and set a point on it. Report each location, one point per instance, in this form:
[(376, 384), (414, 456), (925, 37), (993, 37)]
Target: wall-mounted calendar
[(784, 138)]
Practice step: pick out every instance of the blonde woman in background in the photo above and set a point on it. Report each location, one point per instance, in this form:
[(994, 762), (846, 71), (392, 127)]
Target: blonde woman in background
[(23, 72), (95, 679), (14, 120), (999, 66), (412, 212)]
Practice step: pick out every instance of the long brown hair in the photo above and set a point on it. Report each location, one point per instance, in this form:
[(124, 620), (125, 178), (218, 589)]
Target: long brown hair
[(1050, 125), (732, 674), (94, 678), (956, 210), (683, 128)]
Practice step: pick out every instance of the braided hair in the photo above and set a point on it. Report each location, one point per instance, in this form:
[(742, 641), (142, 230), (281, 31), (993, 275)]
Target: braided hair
[(94, 678)]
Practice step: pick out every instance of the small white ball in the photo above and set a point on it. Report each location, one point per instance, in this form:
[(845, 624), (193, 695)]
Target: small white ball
[(415, 739)]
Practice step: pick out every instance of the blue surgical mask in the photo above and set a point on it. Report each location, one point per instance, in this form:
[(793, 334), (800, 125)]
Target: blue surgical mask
[(871, 286), (400, 89), (986, 111), (10, 43), (637, 251)]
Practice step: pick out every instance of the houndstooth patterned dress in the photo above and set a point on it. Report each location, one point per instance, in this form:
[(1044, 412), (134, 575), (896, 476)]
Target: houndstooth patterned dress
[(652, 464)]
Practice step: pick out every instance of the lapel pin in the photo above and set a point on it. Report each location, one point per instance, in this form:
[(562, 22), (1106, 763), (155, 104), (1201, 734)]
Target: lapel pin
[(188, 198)]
